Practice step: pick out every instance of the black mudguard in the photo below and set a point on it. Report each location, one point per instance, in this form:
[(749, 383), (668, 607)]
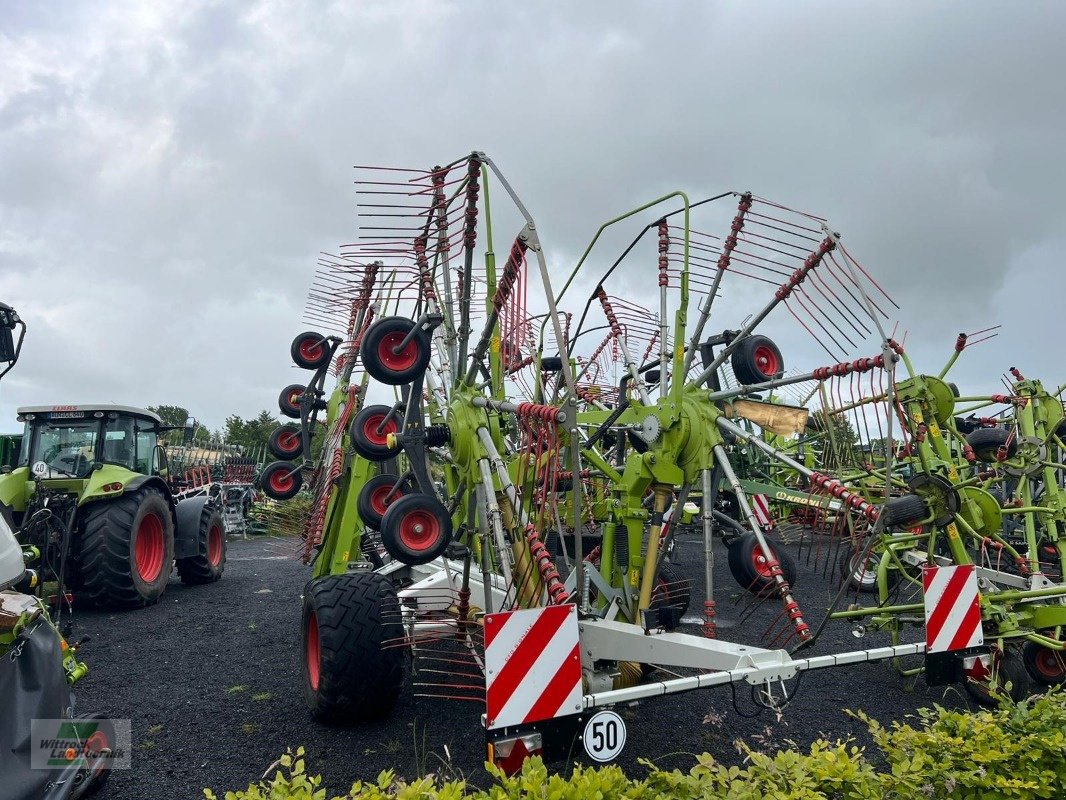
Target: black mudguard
[(187, 530)]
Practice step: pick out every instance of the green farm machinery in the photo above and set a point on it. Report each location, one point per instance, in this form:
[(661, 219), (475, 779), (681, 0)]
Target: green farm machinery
[(500, 474)]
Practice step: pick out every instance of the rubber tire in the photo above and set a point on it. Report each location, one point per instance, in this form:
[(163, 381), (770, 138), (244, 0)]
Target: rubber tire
[(280, 494), (987, 441), (307, 340), (742, 566), (393, 519), (287, 405), (366, 447), (106, 547), (745, 367), (1011, 670), (372, 342), (280, 434), (551, 364), (904, 512), (367, 512), (672, 589), (1033, 654), (356, 617), (197, 570)]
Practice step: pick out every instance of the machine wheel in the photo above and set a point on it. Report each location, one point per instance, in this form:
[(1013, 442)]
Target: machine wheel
[(89, 781), (372, 503), (671, 589), (985, 684), (862, 576), (905, 511), (1044, 665), (366, 439), (749, 566), (209, 563), (353, 661), (127, 549), (551, 364), (756, 360), (377, 351), (280, 480), (987, 441), (416, 529), (289, 400), (310, 350), (286, 442)]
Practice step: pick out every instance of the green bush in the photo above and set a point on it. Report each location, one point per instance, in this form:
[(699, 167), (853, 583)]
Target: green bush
[(1015, 751)]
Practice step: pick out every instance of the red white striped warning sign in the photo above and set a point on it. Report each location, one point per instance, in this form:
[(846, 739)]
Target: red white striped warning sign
[(952, 608), (532, 665), (760, 504)]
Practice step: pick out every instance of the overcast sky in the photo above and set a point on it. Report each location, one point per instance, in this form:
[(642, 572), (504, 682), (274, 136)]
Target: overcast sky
[(169, 171)]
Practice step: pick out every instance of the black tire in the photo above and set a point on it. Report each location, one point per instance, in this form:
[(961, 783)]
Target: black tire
[(904, 512), (310, 350), (280, 480), (371, 502), (126, 550), (756, 360), (209, 562), (416, 529), (1044, 665), (672, 590), (351, 637), (1007, 667), (551, 364), (394, 369), (747, 565), (286, 443), (987, 441), (364, 435), (289, 400)]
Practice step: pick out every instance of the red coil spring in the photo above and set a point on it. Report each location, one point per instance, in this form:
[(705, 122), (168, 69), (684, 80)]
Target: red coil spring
[(734, 229), (813, 260), (835, 488), (664, 249), (473, 187), (510, 274), (546, 566), (425, 275), (539, 412), (608, 311), (848, 367)]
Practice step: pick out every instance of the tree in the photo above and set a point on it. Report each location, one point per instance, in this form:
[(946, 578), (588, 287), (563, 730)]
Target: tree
[(176, 416), (252, 434)]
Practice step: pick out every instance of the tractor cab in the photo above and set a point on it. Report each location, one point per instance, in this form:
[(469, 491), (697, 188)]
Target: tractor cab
[(69, 442)]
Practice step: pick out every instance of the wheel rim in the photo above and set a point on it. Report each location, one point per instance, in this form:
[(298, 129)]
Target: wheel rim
[(289, 442), (214, 545), (861, 572), (313, 654), (149, 547), (280, 481), (766, 360), (761, 563), (1050, 664), (310, 349), (400, 361), (380, 500), (419, 530), (370, 429)]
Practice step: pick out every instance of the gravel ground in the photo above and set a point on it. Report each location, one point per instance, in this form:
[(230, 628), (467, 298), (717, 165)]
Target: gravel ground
[(211, 680)]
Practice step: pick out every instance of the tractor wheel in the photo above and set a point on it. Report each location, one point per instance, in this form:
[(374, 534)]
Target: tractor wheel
[(352, 637), (756, 360), (286, 443), (1046, 666), (280, 480), (369, 437), (905, 511), (987, 441), (416, 529), (209, 563), (750, 568), (289, 400), (672, 590), (126, 551), (986, 683), (310, 350), (372, 503), (380, 357)]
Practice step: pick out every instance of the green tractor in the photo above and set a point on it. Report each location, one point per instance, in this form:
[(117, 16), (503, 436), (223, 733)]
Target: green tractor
[(92, 501)]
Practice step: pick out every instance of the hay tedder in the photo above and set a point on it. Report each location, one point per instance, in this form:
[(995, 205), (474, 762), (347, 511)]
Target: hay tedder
[(505, 469)]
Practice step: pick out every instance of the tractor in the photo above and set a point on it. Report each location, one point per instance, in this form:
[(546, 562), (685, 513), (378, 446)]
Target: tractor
[(92, 499)]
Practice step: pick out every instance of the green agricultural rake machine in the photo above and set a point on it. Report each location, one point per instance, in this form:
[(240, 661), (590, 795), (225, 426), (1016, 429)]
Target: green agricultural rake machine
[(500, 522)]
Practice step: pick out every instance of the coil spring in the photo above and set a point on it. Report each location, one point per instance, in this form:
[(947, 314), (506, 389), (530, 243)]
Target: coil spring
[(438, 435)]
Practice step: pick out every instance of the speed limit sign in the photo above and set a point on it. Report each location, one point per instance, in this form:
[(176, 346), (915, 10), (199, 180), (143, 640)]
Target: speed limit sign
[(605, 736)]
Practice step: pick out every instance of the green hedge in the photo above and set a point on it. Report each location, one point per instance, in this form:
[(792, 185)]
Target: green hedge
[(1015, 751)]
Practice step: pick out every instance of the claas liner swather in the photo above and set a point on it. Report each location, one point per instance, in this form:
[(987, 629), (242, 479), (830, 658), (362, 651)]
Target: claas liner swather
[(512, 497)]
